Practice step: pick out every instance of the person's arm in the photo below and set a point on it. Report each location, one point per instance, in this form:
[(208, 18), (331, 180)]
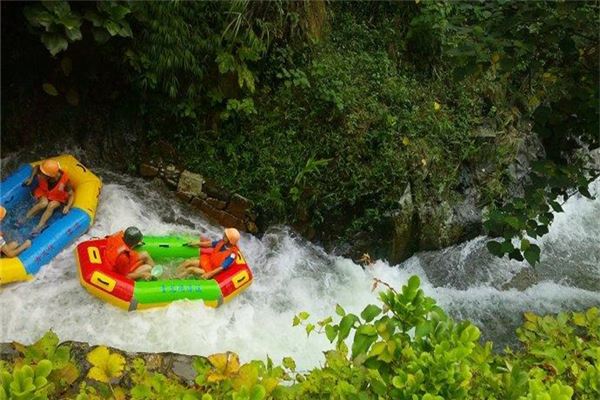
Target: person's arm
[(224, 265), (208, 275), (34, 172), (201, 243), (71, 198)]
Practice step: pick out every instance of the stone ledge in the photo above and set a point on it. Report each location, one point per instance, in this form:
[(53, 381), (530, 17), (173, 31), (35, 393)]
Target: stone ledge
[(216, 203)]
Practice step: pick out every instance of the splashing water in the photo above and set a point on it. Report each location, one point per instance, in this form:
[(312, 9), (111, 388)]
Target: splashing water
[(292, 275)]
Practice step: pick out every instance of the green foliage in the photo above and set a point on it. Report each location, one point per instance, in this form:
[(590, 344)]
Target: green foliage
[(414, 350), (26, 382), (529, 217), (45, 369), (541, 52), (325, 112), (61, 25), (404, 348)]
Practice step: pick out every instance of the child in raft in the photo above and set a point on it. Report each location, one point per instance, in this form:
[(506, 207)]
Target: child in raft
[(10, 249), (52, 192), (215, 256), (123, 259)]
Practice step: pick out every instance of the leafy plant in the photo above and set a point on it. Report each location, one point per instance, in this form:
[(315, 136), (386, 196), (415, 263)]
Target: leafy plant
[(61, 25)]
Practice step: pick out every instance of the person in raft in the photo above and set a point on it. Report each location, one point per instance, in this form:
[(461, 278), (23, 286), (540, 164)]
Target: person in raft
[(215, 256), (53, 191), (121, 257), (11, 249)]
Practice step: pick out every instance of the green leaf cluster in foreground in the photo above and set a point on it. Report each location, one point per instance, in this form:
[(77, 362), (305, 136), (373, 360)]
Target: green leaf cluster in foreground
[(405, 348)]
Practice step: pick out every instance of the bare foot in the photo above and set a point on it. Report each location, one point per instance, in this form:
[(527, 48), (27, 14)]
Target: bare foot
[(27, 244), (36, 231)]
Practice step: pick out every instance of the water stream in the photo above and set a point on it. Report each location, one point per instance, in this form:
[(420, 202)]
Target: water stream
[(292, 275)]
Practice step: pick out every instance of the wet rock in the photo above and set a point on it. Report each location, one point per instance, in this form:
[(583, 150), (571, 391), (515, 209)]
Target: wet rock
[(238, 205), (524, 279), (183, 367), (213, 190), (434, 226), (148, 171), (202, 205), (403, 243), (251, 227), (230, 221), (594, 162), (219, 216), (190, 183), (529, 150), (185, 197), (218, 204), (170, 173), (7, 352)]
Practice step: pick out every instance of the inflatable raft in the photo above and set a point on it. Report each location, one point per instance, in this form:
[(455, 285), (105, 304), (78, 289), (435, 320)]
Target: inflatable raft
[(61, 229), (132, 295)]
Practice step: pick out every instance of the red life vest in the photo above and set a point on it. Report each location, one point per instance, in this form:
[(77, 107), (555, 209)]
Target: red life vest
[(210, 260), (57, 193), (115, 246)]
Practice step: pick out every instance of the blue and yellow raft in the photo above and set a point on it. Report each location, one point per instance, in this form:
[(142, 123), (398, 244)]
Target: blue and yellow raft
[(60, 231)]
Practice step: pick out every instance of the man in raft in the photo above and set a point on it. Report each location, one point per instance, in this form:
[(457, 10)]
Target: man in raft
[(52, 192), (215, 256), (10, 249), (121, 257)]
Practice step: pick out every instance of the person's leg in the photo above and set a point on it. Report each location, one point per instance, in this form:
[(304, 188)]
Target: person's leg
[(52, 205), (184, 267), (195, 271), (141, 272), (37, 207), (190, 262), (13, 249)]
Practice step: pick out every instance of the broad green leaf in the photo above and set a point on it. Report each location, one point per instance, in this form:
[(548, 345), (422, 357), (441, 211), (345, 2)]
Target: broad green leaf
[(331, 332), (54, 42), (495, 248), (339, 310), (532, 254), (345, 325), (289, 363), (370, 312), (105, 365), (258, 392), (303, 315), (43, 368), (246, 377), (50, 89), (100, 35), (94, 18), (309, 329), (225, 365)]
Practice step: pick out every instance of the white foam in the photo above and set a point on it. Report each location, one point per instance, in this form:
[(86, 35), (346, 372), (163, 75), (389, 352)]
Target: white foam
[(290, 276)]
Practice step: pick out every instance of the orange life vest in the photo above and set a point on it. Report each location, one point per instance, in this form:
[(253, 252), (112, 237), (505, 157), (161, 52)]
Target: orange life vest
[(57, 193), (213, 259), (115, 246)]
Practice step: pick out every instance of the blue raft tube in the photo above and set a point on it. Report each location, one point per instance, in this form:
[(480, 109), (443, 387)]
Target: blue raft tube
[(61, 230)]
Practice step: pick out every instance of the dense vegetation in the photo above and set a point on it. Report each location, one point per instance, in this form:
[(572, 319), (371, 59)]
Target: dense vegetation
[(406, 348), (325, 114)]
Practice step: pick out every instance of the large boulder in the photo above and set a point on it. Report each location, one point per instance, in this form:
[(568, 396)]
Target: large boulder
[(403, 223), (190, 184)]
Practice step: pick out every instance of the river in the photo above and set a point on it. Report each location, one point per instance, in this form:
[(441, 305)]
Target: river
[(292, 275)]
